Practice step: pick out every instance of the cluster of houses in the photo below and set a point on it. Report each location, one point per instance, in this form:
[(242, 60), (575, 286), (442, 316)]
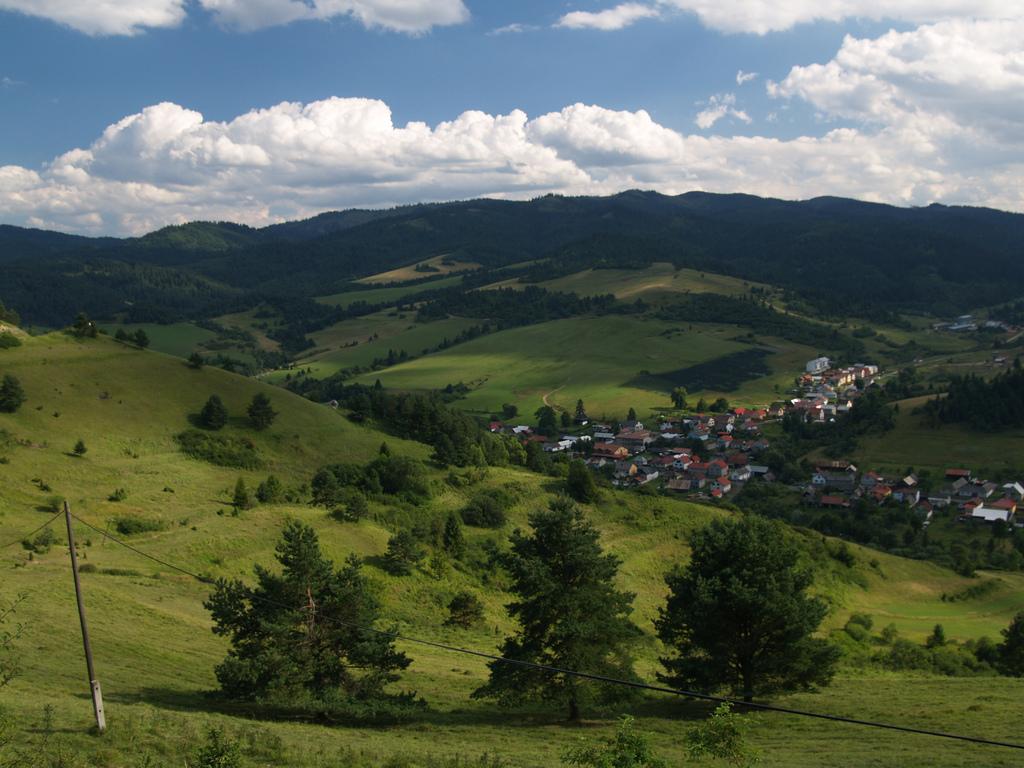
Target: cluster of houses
[(968, 323), (837, 484), (635, 455), (829, 392)]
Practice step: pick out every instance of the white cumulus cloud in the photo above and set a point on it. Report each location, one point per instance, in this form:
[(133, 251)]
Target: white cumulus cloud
[(745, 77), (618, 17), (130, 17), (929, 114), (718, 106), (104, 17), (410, 16), (764, 16)]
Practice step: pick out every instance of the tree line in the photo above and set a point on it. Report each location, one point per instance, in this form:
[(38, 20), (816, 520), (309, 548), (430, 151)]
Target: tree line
[(995, 404)]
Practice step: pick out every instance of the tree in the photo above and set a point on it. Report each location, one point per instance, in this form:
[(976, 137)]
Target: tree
[(403, 554), (581, 413), (80, 449), (270, 491), (384, 450), (11, 394), (305, 633), (241, 498), (261, 413), (352, 506), (738, 616), (196, 361), (464, 610), (83, 327), (1011, 650), (141, 339), (547, 422), (721, 405), (631, 415), (626, 749), (702, 405), (452, 538), (566, 420), (569, 613), (214, 414), (937, 638), (122, 336), (679, 398), (580, 483), (509, 411)]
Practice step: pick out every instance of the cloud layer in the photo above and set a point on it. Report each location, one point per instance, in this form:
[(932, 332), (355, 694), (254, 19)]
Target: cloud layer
[(618, 17), (130, 17), (930, 114)]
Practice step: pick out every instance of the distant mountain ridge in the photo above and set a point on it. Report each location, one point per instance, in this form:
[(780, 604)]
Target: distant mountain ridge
[(852, 256)]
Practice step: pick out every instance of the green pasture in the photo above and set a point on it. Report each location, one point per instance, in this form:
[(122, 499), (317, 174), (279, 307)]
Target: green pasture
[(390, 295), (913, 444), (155, 653), (409, 272), (178, 339)]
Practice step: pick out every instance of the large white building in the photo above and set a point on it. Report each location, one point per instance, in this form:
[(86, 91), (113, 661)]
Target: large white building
[(818, 365)]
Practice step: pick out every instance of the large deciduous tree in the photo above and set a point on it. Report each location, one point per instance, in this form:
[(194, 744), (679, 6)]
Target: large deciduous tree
[(569, 611), (738, 616), (304, 635)]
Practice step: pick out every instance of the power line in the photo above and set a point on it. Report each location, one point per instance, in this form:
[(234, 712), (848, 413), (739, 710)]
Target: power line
[(587, 675), (30, 533)]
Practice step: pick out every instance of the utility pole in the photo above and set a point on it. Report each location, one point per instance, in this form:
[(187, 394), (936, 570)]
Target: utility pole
[(94, 684)]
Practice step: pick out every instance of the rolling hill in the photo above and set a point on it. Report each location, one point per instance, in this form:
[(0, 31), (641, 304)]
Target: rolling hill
[(155, 653)]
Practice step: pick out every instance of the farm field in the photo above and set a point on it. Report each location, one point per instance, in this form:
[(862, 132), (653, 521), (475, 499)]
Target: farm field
[(392, 295), (910, 443), (155, 653), (658, 281), (437, 263), (393, 332), (595, 359)]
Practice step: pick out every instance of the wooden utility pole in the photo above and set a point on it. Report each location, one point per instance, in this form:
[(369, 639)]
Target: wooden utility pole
[(94, 684)]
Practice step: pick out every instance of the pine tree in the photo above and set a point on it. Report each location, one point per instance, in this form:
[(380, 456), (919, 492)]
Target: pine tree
[(261, 413), (569, 613), (141, 339), (738, 615), (196, 361), (631, 415), (581, 412), (12, 396), (80, 449), (580, 483), (464, 610), (679, 395), (241, 499), (403, 553), (453, 540), (306, 631), (1011, 650), (270, 491), (214, 414)]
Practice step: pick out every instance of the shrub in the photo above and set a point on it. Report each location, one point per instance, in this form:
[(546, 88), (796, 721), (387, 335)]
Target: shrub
[(224, 451), (9, 340), (119, 494), (130, 526), (487, 509), (270, 491), (861, 619), (352, 506), (464, 610), (218, 752), (41, 543)]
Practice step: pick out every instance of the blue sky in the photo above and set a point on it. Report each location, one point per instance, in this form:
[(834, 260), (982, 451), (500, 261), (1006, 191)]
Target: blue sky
[(846, 101)]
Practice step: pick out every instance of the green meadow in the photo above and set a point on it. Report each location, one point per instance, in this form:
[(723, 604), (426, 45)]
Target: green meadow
[(597, 359), (155, 653), (179, 339), (390, 295)]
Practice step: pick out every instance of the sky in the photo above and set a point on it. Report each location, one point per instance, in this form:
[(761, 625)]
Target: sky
[(121, 116)]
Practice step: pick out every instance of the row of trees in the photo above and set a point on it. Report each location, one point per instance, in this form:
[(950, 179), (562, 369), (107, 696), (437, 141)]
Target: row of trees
[(738, 618), (981, 404), (214, 414)]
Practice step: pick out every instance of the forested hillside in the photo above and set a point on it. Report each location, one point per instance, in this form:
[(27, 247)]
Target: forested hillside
[(838, 256)]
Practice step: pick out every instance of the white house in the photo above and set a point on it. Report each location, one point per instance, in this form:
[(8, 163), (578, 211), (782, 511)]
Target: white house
[(818, 365), (990, 515)]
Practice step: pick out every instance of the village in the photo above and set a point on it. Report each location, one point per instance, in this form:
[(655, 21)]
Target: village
[(712, 456)]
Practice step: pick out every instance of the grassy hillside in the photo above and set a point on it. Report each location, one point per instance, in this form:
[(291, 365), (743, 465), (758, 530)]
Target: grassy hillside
[(911, 443), (155, 653), (392, 294), (598, 359), (438, 265)]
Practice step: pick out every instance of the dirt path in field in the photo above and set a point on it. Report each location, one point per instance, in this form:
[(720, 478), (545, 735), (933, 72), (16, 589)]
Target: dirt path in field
[(549, 394)]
